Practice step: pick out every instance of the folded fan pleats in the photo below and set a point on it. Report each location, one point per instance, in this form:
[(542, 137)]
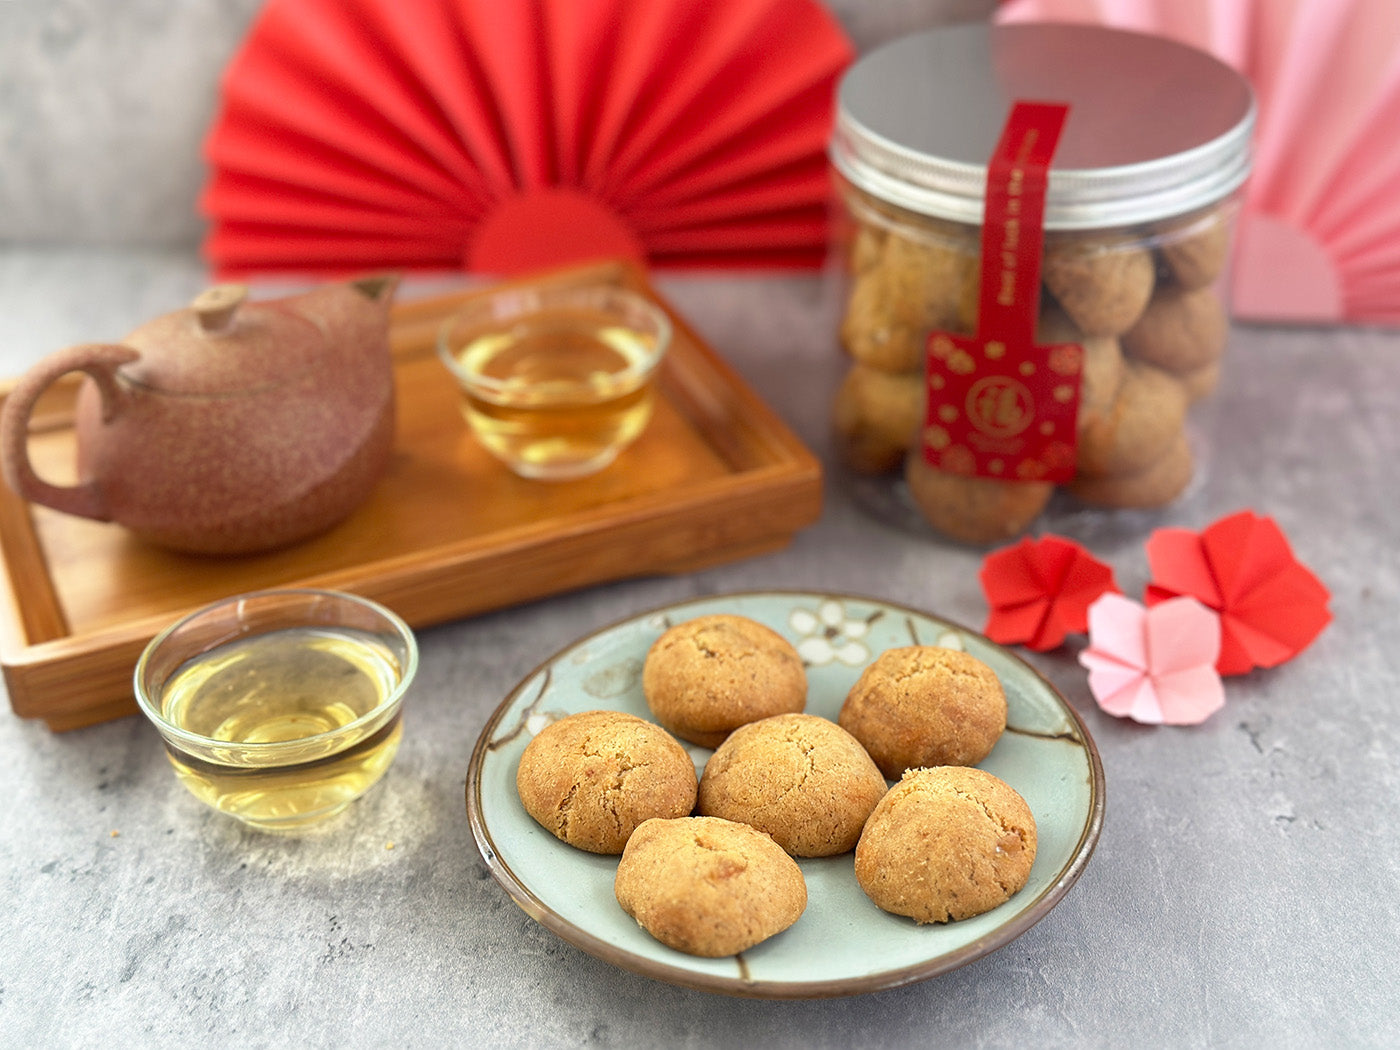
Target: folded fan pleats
[(354, 133), (1326, 76)]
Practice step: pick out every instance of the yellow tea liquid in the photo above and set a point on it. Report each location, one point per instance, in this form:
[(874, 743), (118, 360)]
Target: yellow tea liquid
[(565, 395), (289, 685)]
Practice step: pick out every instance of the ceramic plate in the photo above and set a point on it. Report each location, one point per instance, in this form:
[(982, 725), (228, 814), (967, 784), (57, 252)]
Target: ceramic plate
[(842, 944)]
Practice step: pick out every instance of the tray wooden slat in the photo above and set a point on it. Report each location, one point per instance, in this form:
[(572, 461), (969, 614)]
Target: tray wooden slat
[(447, 533)]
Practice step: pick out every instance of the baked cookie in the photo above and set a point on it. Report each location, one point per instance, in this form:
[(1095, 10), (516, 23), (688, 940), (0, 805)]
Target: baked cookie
[(1143, 422), (927, 276), (1181, 330), (1103, 283), (1201, 382), (1194, 251), (877, 417), (875, 331), (706, 677), (1102, 373), (913, 287), (708, 886), (866, 246), (801, 779), (1052, 324), (971, 509), (969, 303), (1156, 485), (925, 706), (946, 843), (1101, 380), (591, 778)]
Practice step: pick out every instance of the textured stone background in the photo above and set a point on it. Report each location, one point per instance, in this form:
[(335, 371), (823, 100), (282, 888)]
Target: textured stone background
[(1244, 893)]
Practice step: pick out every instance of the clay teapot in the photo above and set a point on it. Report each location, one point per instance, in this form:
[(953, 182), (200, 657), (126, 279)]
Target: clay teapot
[(227, 427)]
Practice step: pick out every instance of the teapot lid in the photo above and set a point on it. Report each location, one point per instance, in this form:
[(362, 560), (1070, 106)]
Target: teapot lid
[(221, 344)]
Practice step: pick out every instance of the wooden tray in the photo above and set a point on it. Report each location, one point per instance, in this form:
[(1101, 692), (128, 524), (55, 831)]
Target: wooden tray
[(447, 533)]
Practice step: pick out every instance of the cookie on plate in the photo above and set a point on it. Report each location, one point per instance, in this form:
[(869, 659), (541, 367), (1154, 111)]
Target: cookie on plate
[(925, 706), (801, 779), (945, 844), (590, 779), (707, 886), (706, 677)]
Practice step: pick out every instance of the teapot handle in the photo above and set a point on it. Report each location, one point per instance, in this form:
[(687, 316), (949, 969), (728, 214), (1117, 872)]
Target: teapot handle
[(100, 361)]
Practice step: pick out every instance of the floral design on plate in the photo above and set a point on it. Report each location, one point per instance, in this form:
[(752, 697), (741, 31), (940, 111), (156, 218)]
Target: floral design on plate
[(826, 634)]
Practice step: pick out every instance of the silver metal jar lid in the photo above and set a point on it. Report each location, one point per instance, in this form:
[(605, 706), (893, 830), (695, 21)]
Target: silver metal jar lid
[(1155, 128)]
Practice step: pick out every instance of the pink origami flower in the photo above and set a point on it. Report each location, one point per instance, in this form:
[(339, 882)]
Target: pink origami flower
[(1154, 665), (1040, 590), (1271, 606)]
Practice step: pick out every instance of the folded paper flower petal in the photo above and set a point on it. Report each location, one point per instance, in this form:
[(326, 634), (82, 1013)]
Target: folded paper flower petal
[(1040, 590), (1155, 665), (1271, 606)]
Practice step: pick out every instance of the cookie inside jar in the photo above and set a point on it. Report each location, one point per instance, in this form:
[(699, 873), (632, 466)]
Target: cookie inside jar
[(1113, 279)]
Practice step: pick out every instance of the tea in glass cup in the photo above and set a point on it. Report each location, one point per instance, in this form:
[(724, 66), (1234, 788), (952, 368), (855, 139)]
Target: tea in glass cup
[(556, 382), (280, 707)]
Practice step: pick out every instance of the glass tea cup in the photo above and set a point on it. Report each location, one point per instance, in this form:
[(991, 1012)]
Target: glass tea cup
[(555, 382), (279, 707)]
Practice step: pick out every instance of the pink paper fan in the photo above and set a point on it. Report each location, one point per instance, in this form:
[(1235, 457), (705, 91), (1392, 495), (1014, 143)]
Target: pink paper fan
[(1319, 240), (508, 136)]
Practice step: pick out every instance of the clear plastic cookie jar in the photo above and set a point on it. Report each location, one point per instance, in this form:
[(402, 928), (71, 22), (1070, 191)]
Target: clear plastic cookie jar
[(1127, 264)]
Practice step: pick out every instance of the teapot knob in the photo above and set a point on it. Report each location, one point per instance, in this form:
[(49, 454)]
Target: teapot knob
[(215, 306)]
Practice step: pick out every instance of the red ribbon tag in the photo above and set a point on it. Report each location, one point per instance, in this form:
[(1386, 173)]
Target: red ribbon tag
[(999, 405)]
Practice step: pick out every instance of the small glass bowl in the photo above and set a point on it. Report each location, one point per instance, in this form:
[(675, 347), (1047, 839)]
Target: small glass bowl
[(279, 707), (556, 382)]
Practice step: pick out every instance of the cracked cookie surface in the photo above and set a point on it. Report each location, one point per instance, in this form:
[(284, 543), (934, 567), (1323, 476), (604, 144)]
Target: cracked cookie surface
[(706, 677), (708, 886), (945, 844), (801, 779), (925, 706), (590, 779)]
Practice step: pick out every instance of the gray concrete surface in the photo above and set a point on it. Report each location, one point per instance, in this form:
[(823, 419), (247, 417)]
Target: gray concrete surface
[(1244, 892)]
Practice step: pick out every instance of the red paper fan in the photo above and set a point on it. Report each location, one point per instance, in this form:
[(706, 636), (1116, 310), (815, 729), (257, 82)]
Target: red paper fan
[(507, 135), (1320, 236)]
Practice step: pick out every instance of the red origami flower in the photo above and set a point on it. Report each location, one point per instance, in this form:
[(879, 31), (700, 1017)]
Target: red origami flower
[(1271, 607), (1040, 590)]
